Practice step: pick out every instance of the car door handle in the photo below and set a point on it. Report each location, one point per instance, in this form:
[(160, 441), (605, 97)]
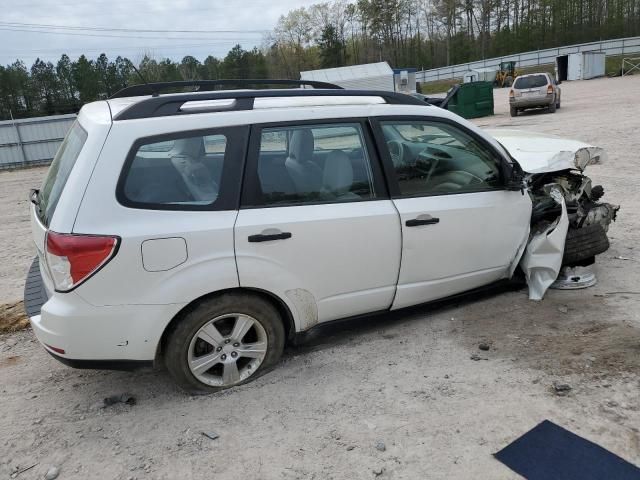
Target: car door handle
[(268, 237), (422, 220)]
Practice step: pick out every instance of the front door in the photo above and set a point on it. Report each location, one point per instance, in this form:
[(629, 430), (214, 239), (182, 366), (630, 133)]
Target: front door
[(316, 226), (461, 228)]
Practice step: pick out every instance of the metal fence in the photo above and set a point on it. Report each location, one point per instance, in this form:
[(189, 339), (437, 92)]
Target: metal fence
[(32, 141), (621, 46)]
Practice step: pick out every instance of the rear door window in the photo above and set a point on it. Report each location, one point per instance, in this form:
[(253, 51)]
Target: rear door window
[(533, 81), (188, 171), (59, 172), (311, 164)]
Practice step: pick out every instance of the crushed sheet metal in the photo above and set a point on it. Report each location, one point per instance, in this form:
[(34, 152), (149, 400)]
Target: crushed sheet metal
[(542, 259), (520, 252), (543, 153)]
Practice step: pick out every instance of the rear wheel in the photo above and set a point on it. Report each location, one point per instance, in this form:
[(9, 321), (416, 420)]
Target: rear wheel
[(223, 342), (513, 111), (552, 107)]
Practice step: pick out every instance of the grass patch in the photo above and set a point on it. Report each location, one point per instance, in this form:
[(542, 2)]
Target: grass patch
[(613, 64), (13, 317), (549, 68), (441, 86)]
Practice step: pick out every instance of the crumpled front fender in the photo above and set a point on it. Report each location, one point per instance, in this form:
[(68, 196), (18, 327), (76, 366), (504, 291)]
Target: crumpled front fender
[(542, 258)]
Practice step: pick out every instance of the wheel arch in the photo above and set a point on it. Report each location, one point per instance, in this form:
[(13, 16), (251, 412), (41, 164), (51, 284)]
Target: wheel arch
[(283, 309)]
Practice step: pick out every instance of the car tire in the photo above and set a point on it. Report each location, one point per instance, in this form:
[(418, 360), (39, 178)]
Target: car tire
[(216, 319), (552, 107), (558, 104), (513, 111), (584, 243)]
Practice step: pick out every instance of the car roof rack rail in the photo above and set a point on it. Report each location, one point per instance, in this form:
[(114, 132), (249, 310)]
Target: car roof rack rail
[(170, 105), (209, 85)]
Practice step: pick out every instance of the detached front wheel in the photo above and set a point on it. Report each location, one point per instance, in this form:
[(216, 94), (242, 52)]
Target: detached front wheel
[(584, 243), (224, 342)]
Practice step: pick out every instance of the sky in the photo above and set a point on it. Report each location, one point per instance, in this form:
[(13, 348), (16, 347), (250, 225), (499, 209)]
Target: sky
[(46, 29)]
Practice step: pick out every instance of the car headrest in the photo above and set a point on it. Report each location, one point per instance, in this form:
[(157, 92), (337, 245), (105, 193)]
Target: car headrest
[(338, 172), (191, 147), (301, 145)]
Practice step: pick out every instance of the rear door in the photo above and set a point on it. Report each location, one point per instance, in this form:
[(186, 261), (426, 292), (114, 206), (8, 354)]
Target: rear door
[(461, 228), (316, 226)]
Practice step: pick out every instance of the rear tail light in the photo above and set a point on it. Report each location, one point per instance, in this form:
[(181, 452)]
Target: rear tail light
[(549, 89), (511, 94), (72, 259)]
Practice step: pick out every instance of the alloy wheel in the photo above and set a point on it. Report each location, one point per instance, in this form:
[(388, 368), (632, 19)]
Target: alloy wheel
[(227, 350)]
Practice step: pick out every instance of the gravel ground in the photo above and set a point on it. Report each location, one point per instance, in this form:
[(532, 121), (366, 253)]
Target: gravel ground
[(406, 379)]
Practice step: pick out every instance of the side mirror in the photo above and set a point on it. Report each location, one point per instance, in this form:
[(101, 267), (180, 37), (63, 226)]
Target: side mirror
[(515, 177)]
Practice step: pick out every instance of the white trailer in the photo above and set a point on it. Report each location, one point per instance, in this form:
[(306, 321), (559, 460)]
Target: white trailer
[(580, 66), (371, 76)]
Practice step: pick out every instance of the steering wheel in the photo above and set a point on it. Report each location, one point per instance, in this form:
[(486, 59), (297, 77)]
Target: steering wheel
[(396, 150)]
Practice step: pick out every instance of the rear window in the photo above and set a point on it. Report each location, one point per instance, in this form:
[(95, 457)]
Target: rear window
[(59, 171), (534, 81)]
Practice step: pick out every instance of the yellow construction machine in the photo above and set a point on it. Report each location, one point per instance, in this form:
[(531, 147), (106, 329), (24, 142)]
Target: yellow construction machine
[(506, 75)]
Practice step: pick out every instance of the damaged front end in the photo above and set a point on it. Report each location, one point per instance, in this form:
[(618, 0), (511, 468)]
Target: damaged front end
[(569, 218), (569, 221)]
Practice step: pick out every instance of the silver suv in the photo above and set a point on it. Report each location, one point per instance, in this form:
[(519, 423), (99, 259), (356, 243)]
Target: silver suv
[(537, 90)]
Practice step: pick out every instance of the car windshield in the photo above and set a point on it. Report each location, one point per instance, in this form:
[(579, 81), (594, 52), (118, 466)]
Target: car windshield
[(533, 81)]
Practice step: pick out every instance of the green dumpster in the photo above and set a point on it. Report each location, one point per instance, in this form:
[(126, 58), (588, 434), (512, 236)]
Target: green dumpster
[(472, 100)]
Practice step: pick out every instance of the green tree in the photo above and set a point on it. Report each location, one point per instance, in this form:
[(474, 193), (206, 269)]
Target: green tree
[(331, 48), (210, 69), (67, 87), (86, 79), (190, 68), (45, 86)]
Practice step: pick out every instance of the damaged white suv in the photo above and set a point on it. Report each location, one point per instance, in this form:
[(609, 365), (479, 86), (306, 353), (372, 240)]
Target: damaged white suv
[(203, 230)]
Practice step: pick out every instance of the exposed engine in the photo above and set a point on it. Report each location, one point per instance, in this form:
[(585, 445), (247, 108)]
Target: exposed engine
[(581, 197)]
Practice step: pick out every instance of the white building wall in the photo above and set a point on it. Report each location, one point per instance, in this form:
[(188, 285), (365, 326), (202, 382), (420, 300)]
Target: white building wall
[(574, 69), (586, 65), (593, 65)]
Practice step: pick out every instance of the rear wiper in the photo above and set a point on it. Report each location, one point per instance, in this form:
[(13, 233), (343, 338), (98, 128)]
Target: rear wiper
[(34, 196)]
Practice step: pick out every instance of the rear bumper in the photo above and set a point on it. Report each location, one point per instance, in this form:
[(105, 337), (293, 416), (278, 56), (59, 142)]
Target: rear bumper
[(123, 365), (35, 295), (95, 336), (532, 102)]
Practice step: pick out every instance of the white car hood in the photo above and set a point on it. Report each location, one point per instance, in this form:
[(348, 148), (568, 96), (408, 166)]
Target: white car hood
[(541, 153)]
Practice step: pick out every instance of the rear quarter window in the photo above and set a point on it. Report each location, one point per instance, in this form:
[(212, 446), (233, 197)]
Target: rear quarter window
[(59, 172), (188, 171)]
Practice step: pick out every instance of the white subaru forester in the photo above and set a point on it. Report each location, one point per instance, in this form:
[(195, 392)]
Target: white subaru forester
[(203, 230)]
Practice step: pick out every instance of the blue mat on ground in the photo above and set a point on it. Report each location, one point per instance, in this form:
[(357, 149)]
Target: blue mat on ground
[(549, 452)]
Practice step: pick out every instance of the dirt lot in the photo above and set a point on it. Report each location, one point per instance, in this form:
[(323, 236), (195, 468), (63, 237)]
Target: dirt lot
[(406, 379)]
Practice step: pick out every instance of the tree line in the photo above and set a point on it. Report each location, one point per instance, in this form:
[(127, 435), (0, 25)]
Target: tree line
[(51, 89), (405, 33), (434, 33)]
